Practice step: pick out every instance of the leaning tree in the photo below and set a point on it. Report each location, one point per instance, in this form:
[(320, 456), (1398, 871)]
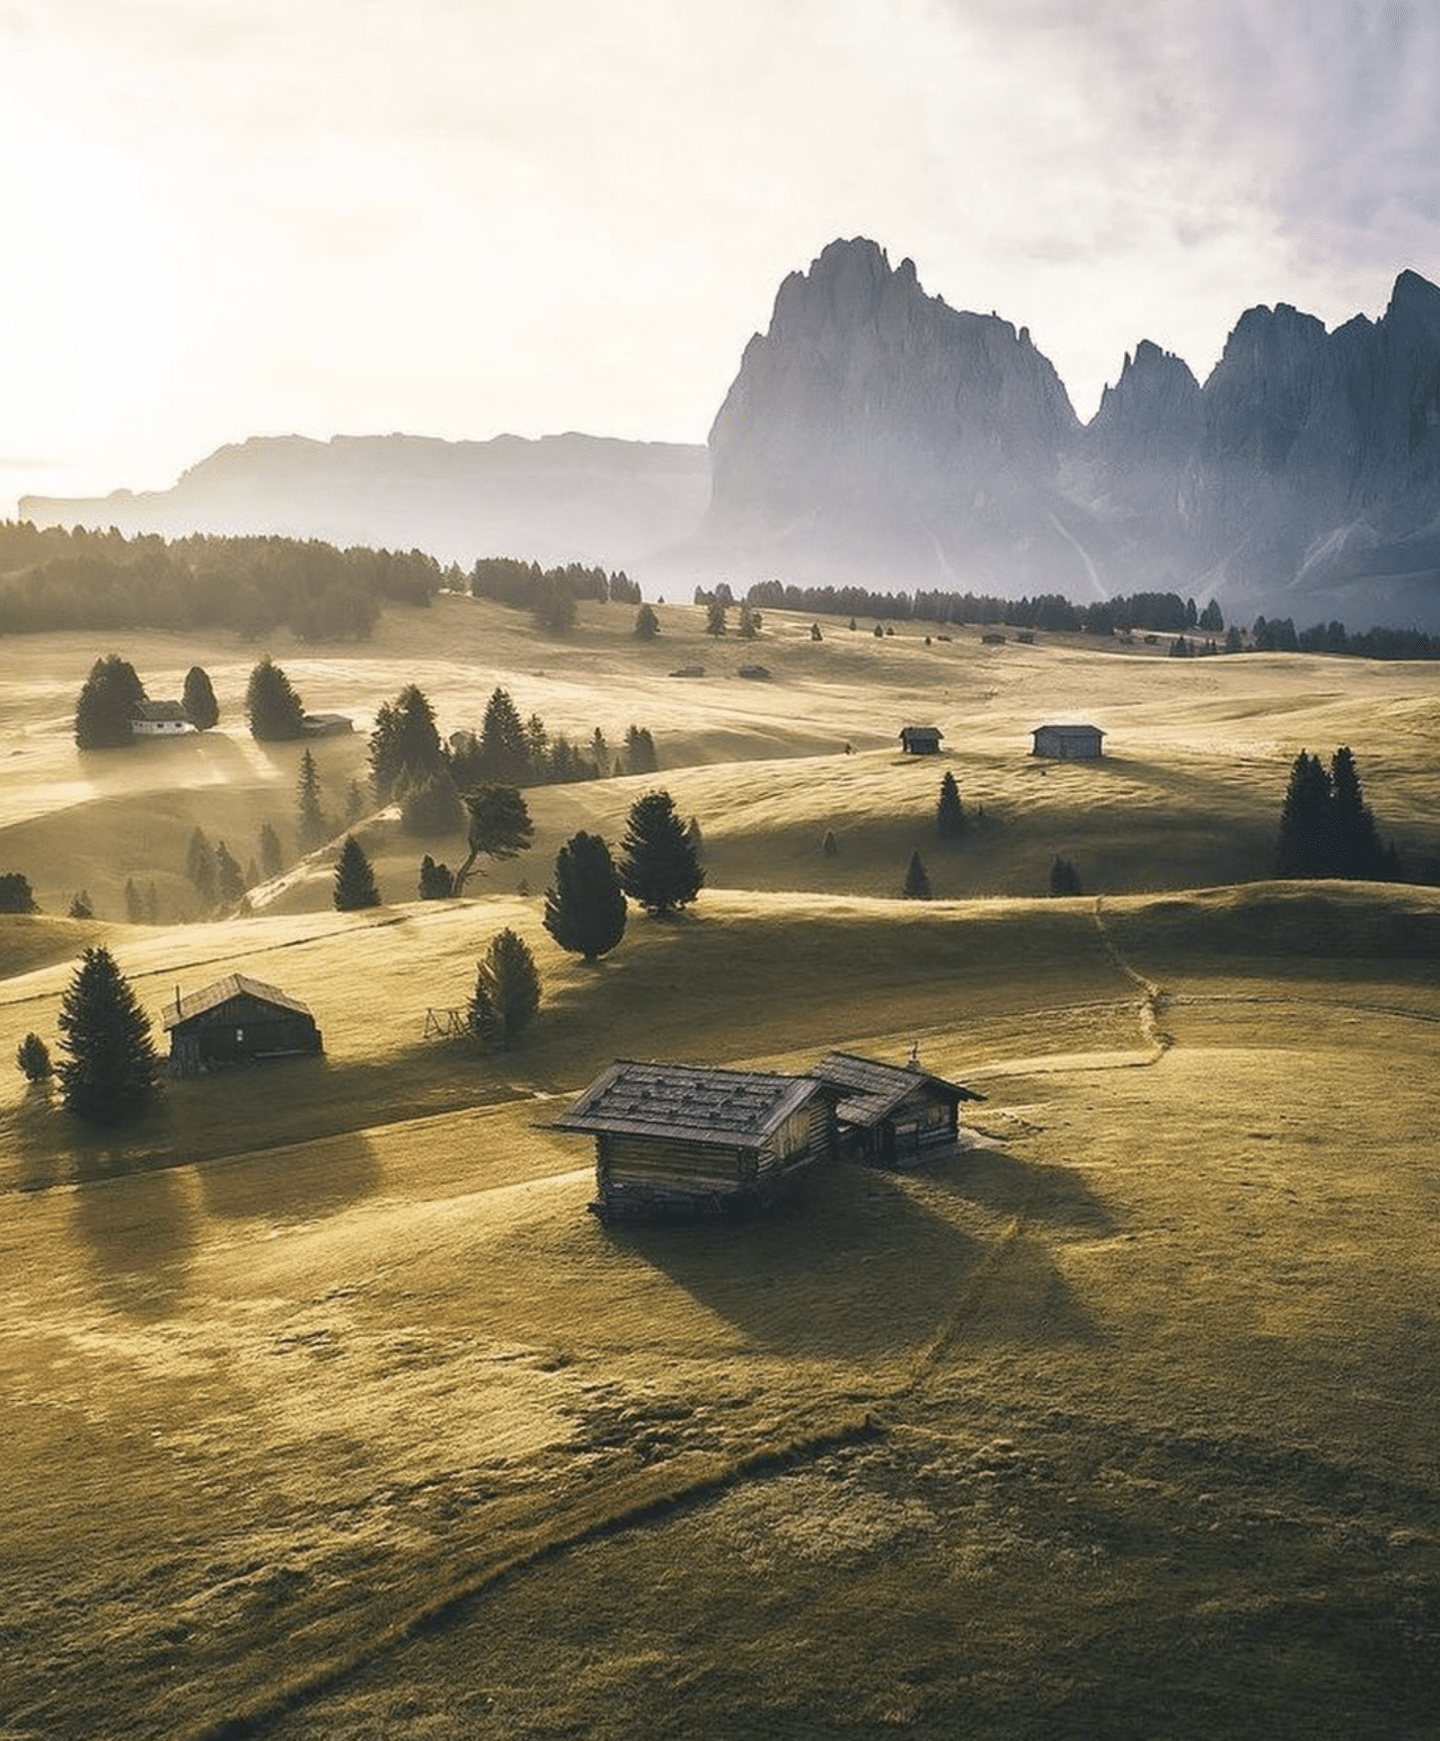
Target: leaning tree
[(585, 906), (111, 1071), (500, 827), (659, 866)]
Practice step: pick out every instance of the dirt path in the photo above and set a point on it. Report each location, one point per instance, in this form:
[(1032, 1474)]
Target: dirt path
[(1154, 998)]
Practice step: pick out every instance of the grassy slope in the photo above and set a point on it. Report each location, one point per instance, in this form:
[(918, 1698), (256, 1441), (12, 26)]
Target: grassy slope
[(1145, 1368)]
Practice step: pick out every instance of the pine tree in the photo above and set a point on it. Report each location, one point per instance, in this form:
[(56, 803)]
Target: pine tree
[(16, 895), (749, 622), (276, 712), (1306, 845), (112, 1071), (659, 866), (134, 906), (354, 879), (640, 757), (500, 827), (229, 879), (198, 699), (917, 879), (647, 624), (949, 812), (310, 824), (507, 991), (104, 710), (81, 906), (1357, 849), (437, 882), (200, 866), (1064, 878), (715, 611), (585, 906), (405, 747), (829, 845), (271, 858), (32, 1059), (432, 806), (503, 752)]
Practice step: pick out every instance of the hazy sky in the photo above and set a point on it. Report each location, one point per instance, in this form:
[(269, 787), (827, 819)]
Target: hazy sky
[(461, 217)]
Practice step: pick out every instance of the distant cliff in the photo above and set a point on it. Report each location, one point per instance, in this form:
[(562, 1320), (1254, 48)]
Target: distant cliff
[(875, 431), (563, 498)]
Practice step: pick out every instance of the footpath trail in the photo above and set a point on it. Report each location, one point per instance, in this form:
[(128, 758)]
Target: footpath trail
[(1153, 998)]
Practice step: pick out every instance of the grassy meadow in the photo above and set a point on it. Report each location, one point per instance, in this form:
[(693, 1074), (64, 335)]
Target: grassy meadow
[(331, 1413)]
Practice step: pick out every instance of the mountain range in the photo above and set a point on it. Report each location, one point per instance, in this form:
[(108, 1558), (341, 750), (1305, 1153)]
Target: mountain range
[(875, 434)]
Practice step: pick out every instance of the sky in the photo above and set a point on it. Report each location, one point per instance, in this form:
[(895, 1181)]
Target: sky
[(461, 218)]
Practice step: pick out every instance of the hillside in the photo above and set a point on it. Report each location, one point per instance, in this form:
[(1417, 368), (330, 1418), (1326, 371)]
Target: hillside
[(333, 1413)]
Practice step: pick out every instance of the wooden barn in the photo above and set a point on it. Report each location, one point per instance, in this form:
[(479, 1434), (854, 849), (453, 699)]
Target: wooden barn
[(235, 1021), (680, 1139), (1069, 743), (891, 1115), (156, 719), (920, 740)]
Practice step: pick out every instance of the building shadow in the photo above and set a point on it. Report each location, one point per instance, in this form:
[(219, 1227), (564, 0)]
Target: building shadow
[(1054, 1197), (301, 1183), (138, 1229)]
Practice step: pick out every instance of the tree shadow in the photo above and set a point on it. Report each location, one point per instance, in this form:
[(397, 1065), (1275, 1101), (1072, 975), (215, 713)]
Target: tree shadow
[(139, 1228), (291, 1184)]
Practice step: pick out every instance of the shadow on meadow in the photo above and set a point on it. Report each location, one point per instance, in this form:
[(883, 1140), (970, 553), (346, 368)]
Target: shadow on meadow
[(292, 1184), (1055, 1197), (138, 1230)]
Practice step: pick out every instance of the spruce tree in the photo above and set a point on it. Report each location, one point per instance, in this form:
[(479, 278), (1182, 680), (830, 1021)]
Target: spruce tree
[(405, 747), (104, 710), (585, 906), (32, 1059), (647, 624), (507, 991), (276, 712), (198, 699), (949, 812), (504, 754), (1357, 849), (229, 878), (200, 866), (354, 879), (271, 859), (1064, 878), (659, 866), (16, 895), (310, 825), (917, 879), (437, 882), (111, 1072), (1306, 845)]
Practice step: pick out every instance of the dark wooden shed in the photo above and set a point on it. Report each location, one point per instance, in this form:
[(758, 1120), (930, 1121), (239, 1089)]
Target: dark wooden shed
[(891, 1115), (683, 1139), (1069, 743), (235, 1021), (920, 740)]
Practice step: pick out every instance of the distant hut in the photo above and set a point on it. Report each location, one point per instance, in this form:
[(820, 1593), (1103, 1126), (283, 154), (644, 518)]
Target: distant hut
[(326, 725), (993, 638), (1069, 743), (920, 740), (683, 1139), (234, 1021), (891, 1115), (156, 719)]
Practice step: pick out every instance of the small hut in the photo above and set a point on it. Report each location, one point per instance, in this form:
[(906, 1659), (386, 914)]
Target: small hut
[(235, 1021), (891, 1115), (920, 740), (1069, 743), (682, 1139), (159, 719)]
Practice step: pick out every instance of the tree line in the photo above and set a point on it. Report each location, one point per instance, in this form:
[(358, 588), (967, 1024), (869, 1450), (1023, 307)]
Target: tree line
[(551, 595)]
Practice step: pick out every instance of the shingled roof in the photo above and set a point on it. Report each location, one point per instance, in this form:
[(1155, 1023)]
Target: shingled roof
[(873, 1090), (233, 985), (730, 1108)]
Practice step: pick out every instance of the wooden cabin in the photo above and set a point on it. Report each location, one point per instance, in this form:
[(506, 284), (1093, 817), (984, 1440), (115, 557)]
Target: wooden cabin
[(683, 1139), (1069, 743), (891, 1115), (920, 740), (235, 1021)]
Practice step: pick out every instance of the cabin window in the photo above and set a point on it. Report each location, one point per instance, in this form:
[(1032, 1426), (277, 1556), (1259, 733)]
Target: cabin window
[(239, 1036)]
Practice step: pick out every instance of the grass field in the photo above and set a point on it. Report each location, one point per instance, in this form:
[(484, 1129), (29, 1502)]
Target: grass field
[(331, 1413)]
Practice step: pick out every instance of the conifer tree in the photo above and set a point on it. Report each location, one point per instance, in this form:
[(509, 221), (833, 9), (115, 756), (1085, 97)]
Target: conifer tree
[(1358, 852), (437, 882), (111, 1072), (949, 812), (200, 866), (276, 712), (81, 906), (32, 1059), (229, 879), (500, 827), (310, 825), (917, 879), (1306, 821), (16, 895), (354, 879), (134, 906), (405, 747), (1064, 878), (640, 757), (104, 710), (647, 624), (659, 866), (503, 751), (271, 858), (198, 699), (507, 991), (585, 906)]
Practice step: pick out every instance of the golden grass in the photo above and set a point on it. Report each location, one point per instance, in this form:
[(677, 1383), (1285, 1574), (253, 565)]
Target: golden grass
[(331, 1413)]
